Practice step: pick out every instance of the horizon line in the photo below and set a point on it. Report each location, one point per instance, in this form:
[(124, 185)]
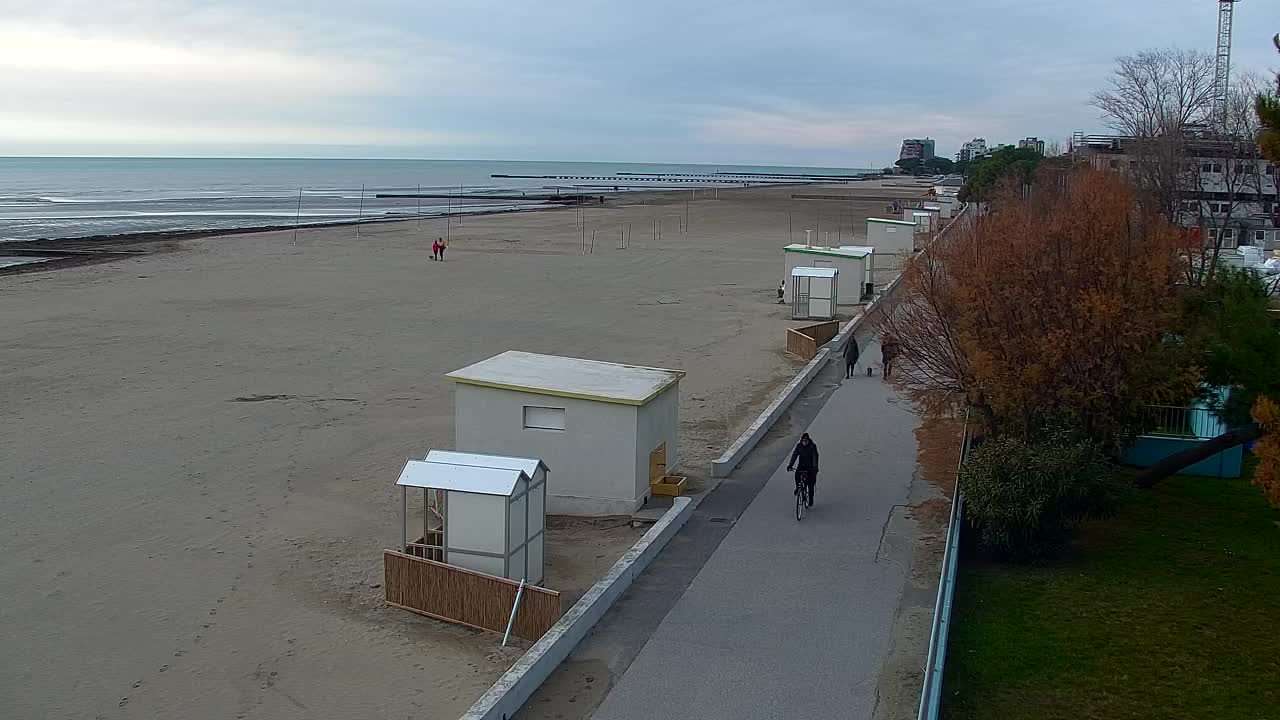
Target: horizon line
[(414, 159)]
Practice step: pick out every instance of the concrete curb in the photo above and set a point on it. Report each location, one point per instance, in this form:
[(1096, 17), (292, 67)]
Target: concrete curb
[(515, 686), (722, 466), (746, 442)]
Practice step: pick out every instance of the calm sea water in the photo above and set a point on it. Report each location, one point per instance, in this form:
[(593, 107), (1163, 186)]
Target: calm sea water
[(80, 197)]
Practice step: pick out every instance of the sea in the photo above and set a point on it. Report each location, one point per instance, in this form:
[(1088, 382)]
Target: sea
[(78, 197)]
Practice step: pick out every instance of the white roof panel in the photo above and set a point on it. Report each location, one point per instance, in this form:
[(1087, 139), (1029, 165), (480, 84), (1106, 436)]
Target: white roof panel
[(528, 466), (568, 377), (856, 252), (820, 272), (459, 478)]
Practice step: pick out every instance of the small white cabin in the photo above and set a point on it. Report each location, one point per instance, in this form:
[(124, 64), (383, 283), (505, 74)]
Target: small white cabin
[(891, 237), (481, 512), (814, 293), (606, 428), (855, 264)]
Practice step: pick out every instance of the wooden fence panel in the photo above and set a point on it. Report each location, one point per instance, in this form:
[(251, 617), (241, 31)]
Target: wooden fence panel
[(822, 332), (454, 594), (805, 341), (800, 344)]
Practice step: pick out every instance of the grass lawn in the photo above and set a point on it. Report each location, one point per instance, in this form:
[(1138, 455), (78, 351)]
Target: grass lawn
[(1169, 610)]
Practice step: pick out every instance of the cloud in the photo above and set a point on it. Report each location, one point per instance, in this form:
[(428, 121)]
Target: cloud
[(827, 82), (819, 128)]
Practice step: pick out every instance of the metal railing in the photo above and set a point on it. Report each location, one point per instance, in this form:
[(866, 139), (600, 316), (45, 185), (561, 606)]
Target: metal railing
[(1182, 422), (931, 692)]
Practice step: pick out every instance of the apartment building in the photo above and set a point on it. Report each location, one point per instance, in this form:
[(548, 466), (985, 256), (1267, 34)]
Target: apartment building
[(972, 150), (916, 149), (1224, 189)]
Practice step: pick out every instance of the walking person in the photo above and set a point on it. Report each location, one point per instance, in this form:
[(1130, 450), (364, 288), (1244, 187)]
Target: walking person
[(888, 353), (444, 244), (435, 249), (804, 460), (850, 357)]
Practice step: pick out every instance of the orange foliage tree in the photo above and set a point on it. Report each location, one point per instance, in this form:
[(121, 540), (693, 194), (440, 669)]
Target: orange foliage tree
[(1266, 412), (1050, 310)]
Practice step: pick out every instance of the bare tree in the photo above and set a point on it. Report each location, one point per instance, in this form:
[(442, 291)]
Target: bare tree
[(1155, 97)]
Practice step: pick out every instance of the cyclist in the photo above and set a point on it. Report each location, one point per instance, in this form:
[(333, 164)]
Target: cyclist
[(804, 460)]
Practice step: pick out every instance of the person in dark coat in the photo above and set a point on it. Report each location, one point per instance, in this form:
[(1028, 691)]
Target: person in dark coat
[(888, 353), (804, 459), (850, 356)]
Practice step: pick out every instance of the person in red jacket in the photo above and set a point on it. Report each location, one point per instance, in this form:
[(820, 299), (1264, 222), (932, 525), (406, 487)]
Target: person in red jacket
[(435, 250)]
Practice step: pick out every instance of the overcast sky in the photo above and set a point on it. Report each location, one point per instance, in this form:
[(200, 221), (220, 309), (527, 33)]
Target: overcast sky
[(807, 82)]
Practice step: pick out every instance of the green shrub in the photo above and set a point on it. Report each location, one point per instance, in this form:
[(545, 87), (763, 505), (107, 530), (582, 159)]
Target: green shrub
[(1024, 499)]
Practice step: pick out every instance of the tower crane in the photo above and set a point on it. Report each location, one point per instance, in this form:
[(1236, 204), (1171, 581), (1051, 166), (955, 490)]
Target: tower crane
[(1222, 68)]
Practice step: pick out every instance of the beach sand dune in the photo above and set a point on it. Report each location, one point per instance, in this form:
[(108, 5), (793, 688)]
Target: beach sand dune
[(200, 445)]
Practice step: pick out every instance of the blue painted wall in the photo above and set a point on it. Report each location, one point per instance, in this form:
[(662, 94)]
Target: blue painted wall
[(1148, 450)]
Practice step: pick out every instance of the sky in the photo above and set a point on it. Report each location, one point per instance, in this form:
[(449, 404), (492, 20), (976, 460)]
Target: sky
[(795, 82)]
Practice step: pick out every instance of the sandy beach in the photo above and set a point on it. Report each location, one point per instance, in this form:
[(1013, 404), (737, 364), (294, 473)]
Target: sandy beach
[(200, 444)]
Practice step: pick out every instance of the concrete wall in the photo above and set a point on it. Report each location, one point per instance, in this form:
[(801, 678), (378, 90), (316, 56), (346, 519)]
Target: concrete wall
[(1148, 450), (656, 423), (591, 461), (891, 239), (849, 284), (515, 686)]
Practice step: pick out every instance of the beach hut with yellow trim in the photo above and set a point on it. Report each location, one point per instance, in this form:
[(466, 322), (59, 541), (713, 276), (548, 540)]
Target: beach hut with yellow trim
[(609, 430)]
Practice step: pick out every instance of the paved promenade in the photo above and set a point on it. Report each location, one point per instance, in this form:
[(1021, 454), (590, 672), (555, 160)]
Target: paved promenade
[(793, 619)]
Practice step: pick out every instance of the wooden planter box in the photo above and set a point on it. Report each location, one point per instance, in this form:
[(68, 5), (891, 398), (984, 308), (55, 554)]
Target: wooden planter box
[(672, 485)]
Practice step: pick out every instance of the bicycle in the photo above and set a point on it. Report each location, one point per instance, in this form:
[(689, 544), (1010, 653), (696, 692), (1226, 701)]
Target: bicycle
[(802, 493)]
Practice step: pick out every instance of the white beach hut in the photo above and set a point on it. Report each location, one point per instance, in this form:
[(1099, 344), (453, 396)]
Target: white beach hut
[(607, 429), (891, 237), (481, 512), (854, 262), (814, 293), (925, 219)]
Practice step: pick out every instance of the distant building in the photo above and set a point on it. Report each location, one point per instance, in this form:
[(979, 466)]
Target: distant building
[(1228, 192), (1032, 144), (972, 150), (916, 149)]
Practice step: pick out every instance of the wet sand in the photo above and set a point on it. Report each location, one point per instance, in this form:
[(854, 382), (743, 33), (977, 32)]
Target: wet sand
[(200, 445)]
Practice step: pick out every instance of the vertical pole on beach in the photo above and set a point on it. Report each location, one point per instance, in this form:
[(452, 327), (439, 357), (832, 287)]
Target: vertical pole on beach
[(459, 202), (789, 234), (418, 211), (593, 242), (360, 213), (686, 214), (297, 218)]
